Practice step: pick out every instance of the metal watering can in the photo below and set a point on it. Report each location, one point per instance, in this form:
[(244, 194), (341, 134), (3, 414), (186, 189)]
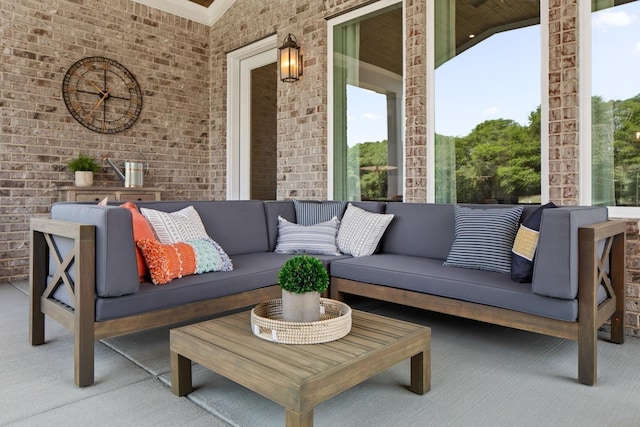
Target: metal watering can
[(133, 175)]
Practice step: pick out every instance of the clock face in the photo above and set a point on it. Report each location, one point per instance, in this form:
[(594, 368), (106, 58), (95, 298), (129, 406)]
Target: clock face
[(102, 95)]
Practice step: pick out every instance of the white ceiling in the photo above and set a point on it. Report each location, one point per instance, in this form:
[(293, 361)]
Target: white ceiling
[(187, 9)]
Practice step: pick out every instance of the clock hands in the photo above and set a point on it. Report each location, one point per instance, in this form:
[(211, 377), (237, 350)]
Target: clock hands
[(92, 83), (105, 95)]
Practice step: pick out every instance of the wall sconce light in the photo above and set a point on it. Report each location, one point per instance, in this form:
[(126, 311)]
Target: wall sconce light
[(290, 60)]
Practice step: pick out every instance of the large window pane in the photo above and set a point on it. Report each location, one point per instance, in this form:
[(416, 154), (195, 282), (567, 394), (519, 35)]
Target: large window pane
[(615, 113), (367, 90), (487, 101)]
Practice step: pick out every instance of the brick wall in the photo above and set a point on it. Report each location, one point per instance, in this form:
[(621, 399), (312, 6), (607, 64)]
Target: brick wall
[(563, 103), (168, 55)]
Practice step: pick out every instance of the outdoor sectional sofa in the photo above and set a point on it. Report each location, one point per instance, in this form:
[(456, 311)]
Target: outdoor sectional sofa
[(84, 275)]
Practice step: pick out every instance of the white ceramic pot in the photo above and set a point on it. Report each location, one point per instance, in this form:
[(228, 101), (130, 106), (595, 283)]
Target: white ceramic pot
[(300, 307), (84, 178)]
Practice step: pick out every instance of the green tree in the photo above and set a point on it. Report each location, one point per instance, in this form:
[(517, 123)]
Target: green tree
[(499, 161), (367, 162), (626, 151)]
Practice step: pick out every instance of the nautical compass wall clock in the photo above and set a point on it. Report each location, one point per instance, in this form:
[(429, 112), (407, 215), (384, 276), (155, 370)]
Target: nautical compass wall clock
[(102, 95)]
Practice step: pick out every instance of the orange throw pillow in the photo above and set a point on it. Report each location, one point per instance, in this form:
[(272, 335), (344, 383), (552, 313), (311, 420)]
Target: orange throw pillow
[(141, 230), (168, 262)]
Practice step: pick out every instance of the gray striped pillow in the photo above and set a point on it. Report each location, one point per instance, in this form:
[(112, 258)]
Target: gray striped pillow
[(317, 239), (484, 238), (310, 212)]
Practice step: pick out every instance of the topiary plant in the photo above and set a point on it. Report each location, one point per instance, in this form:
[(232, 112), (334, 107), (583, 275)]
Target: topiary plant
[(302, 274), (83, 163)]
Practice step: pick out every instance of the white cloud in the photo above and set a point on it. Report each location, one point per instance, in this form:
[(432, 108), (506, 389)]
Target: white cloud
[(490, 111), (606, 19), (370, 116), (637, 48)]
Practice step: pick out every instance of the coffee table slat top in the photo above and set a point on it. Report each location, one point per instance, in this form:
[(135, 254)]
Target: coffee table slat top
[(299, 376)]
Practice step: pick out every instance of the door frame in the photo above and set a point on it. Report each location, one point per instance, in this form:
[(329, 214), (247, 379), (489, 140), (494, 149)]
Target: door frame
[(240, 62)]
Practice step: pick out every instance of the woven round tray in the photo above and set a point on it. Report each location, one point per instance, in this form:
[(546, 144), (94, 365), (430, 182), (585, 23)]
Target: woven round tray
[(334, 323)]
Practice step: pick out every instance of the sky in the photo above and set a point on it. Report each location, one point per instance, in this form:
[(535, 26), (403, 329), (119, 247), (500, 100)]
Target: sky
[(493, 80)]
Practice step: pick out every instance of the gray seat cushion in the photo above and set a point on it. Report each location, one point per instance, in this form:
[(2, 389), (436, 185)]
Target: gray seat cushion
[(431, 277), (251, 271)]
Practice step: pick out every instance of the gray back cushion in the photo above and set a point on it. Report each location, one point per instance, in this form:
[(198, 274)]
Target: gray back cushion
[(239, 226), (419, 229), (273, 209), (427, 229)]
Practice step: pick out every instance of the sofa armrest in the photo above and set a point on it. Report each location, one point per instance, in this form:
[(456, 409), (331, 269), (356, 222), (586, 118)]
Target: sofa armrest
[(115, 256), (602, 266), (555, 272), (74, 270)]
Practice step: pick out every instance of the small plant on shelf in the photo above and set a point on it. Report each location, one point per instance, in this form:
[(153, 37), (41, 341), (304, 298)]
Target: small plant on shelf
[(83, 167), (83, 163)]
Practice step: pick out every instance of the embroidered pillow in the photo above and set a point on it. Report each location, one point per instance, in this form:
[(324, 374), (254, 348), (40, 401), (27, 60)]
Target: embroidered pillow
[(141, 230), (484, 238), (176, 260), (174, 227), (310, 212), (525, 245), (318, 239), (360, 231)]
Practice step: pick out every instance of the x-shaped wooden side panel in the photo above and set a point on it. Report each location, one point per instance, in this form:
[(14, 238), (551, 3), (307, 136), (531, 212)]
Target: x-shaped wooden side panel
[(62, 269)]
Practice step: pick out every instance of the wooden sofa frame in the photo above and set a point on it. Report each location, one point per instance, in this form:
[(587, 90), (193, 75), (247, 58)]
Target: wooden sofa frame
[(592, 273), (80, 319)]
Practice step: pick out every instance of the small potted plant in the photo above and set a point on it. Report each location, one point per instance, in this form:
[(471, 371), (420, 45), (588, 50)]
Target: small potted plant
[(83, 168), (302, 279)]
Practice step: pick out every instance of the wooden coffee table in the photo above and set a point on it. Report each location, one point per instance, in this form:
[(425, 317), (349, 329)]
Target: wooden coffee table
[(299, 377)]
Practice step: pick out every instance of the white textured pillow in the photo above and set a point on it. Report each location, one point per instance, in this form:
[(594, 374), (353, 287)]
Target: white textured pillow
[(360, 231), (317, 239), (175, 227)]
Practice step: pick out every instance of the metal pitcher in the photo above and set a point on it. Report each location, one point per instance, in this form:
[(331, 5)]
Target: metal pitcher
[(133, 175)]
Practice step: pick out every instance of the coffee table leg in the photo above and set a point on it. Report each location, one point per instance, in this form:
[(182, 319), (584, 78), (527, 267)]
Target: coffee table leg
[(294, 419), (421, 372), (180, 374)]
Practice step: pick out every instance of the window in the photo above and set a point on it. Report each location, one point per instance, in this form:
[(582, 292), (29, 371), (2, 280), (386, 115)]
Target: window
[(487, 102), (367, 100), (615, 105)]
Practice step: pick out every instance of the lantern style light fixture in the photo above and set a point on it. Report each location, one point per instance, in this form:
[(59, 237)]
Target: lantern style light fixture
[(290, 60)]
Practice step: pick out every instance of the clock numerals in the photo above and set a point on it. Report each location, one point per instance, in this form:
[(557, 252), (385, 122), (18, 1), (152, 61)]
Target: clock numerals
[(76, 106)]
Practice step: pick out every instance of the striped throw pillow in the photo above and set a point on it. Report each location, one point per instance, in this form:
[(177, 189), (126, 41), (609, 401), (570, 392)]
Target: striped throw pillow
[(318, 239), (484, 238), (310, 212)]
